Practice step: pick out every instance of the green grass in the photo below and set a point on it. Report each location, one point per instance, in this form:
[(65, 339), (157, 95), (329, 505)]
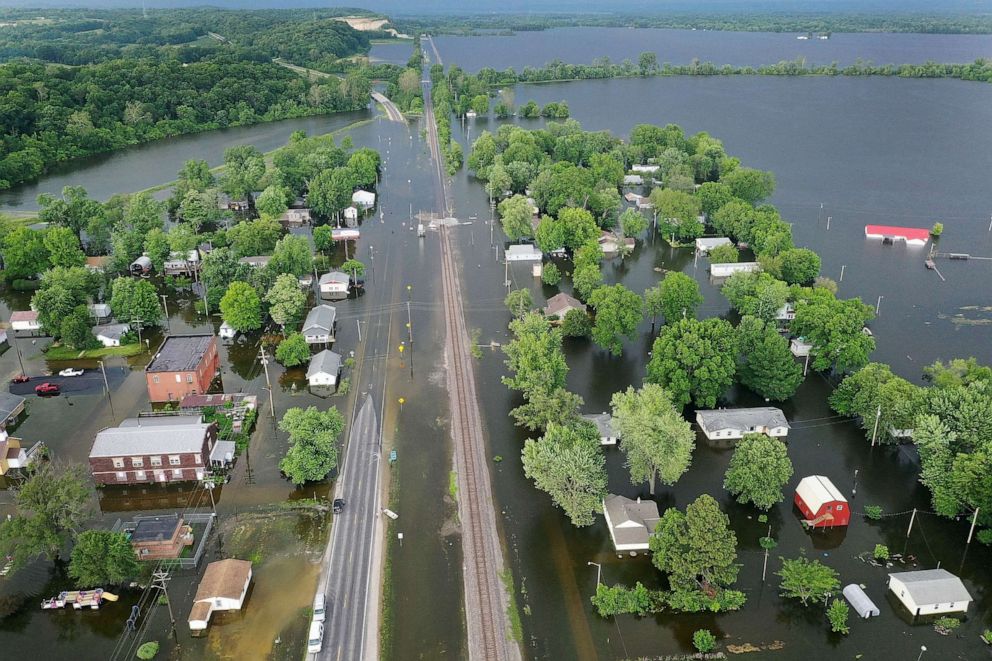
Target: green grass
[(453, 485), (516, 632), (65, 353)]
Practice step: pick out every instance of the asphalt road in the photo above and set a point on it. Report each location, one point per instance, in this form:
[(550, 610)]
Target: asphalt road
[(89, 381), (392, 111)]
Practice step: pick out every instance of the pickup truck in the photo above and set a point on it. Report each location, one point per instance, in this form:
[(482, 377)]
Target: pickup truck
[(47, 389), (71, 371)]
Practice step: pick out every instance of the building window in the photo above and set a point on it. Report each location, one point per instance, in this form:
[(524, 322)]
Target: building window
[(154, 378), (137, 462), (179, 378), (155, 461), (189, 378), (140, 475), (118, 462), (121, 476), (174, 460), (198, 460), (840, 507), (177, 473)]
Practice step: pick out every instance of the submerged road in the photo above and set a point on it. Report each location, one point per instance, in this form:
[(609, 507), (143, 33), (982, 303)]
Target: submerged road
[(392, 111)]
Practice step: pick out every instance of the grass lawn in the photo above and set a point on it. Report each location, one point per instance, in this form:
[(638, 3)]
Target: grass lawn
[(65, 353)]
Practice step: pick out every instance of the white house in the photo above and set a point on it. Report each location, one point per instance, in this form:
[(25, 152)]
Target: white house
[(604, 425), (706, 244), (523, 252), (363, 199), (645, 169), (100, 311), (256, 261), (222, 588), (734, 423), (226, 331), (295, 217), (799, 347), (324, 369), (110, 334), (334, 285), (930, 591), (319, 325), (786, 313), (633, 180), (631, 522), (182, 264), (25, 320), (351, 213), (727, 270)]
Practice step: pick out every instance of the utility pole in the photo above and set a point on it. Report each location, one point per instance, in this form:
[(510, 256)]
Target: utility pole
[(819, 215), (764, 568), (878, 305), (206, 304), (844, 266), (137, 321), (874, 432), (208, 482), (372, 263), (828, 223), (265, 366), (17, 349), (974, 520), (160, 581), (165, 305), (107, 386), (806, 366), (409, 324), (911, 520), (359, 324)]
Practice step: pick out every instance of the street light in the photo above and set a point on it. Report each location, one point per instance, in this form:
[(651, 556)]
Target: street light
[(599, 571), (923, 648)]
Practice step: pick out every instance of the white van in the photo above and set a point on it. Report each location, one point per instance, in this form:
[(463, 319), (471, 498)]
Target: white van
[(318, 607), (316, 638)]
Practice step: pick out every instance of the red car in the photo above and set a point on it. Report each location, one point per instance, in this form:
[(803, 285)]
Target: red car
[(47, 389), (21, 378)]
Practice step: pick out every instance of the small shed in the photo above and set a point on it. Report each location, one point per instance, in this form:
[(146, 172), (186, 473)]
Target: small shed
[(334, 284), (110, 334), (25, 320), (141, 266), (706, 244), (930, 591), (523, 252), (604, 425), (324, 369), (350, 213), (363, 199), (223, 588), (226, 331), (862, 604), (633, 180), (821, 503), (256, 261), (799, 347)]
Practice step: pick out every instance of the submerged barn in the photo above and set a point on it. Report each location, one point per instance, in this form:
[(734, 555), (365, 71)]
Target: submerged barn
[(821, 503)]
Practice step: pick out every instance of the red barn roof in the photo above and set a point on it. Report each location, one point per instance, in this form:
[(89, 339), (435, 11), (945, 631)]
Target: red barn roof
[(908, 233)]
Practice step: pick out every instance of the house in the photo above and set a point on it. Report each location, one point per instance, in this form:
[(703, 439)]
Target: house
[(100, 311), (632, 197), (704, 245), (334, 285), (153, 449), (295, 217), (226, 331), (14, 456), (523, 252), (350, 213), (183, 365), (735, 423), (110, 334), (604, 425), (727, 270), (97, 264), (256, 261), (223, 587), (363, 199), (799, 347), (141, 266), (182, 264), (786, 313), (345, 234), (930, 591), (645, 169), (821, 503), (11, 406), (25, 320), (643, 203), (913, 236), (319, 325), (561, 304), (631, 522), (610, 243), (633, 180), (324, 369), (159, 537)]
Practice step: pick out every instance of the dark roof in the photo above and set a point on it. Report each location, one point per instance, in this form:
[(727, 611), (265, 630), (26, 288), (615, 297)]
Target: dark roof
[(180, 353), (155, 528), (10, 404)]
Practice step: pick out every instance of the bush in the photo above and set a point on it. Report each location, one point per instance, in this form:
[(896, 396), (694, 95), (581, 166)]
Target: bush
[(725, 254), (704, 640), (551, 275), (293, 351), (148, 650), (985, 536), (873, 512), (576, 324), (881, 552), (767, 543), (837, 614), (937, 229), (987, 636), (945, 625)]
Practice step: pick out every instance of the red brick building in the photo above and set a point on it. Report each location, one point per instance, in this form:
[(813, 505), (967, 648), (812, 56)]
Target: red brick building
[(184, 365), (153, 449)]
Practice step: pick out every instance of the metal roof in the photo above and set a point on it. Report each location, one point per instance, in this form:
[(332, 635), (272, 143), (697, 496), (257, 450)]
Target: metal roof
[(816, 490), (24, 315), (742, 419), (862, 602), (223, 579), (320, 318), (180, 353), (335, 276), (159, 437), (933, 586), (111, 331), (325, 362)]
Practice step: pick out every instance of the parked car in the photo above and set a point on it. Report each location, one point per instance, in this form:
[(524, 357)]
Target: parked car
[(21, 378), (318, 607), (71, 371), (338, 505), (47, 389), (315, 640)]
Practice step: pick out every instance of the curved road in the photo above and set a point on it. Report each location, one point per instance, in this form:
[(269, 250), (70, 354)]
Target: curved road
[(392, 111)]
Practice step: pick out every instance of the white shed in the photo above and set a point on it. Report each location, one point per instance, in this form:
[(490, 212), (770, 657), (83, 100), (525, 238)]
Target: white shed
[(523, 252), (930, 591), (861, 602), (351, 213), (223, 588), (226, 331), (25, 320), (706, 244), (363, 199), (324, 369), (727, 270), (800, 348)]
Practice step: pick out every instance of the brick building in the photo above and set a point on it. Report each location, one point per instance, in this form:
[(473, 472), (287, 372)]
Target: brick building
[(160, 537), (154, 449), (184, 365)]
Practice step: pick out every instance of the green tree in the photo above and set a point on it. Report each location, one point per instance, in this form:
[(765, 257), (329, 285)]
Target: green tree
[(807, 580), (220, 268), (63, 247), (586, 279), (678, 214), (73, 209), (567, 464), (657, 440), (534, 356), (54, 304), (499, 182), (241, 308), (837, 615), (198, 209), (550, 275), (244, 167), (618, 312), (354, 268), (515, 215), (703, 640), (799, 265), (293, 351), (579, 227), (195, 175), (726, 253), (697, 550), (543, 408), (620, 600), (364, 165), (254, 237), (647, 63), (322, 237), (519, 302), (749, 184), (273, 201), (292, 255), (51, 506), (713, 195), (75, 330), (102, 558), (835, 328), (576, 324), (157, 248), (550, 234), (81, 282), (875, 393), (767, 365), (331, 191), (313, 438), (135, 300), (679, 297), (286, 301), (633, 223), (758, 471), (756, 294), (654, 304), (694, 360), (24, 254)]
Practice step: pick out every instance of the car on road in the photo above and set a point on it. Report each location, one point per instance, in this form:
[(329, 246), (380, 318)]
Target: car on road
[(47, 389), (338, 505), (21, 378), (318, 607), (315, 640), (71, 371)]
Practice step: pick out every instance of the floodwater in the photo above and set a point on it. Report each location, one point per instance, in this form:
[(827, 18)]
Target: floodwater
[(391, 53), (583, 45)]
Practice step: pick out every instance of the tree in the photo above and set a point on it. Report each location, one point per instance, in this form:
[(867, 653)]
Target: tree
[(63, 247), (835, 329), (586, 279), (51, 506), (364, 163), (875, 393), (241, 308), (273, 201), (550, 234), (807, 580), (713, 195), (632, 223), (24, 254), (758, 470), (694, 360), (198, 208), (244, 167), (647, 63), (515, 214), (312, 443), (286, 301), (182, 239), (102, 558), (579, 227), (292, 255), (499, 182), (567, 464), (331, 191), (72, 210), (134, 300), (81, 282), (576, 324), (550, 275), (543, 408), (54, 304), (220, 268), (749, 184), (195, 175), (726, 253), (756, 294), (293, 351), (696, 549), (678, 214), (619, 600), (534, 356), (255, 237), (323, 237), (157, 248), (519, 302), (679, 296), (653, 304), (767, 365), (657, 440), (75, 330), (703, 640), (618, 312), (837, 615), (799, 265)]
